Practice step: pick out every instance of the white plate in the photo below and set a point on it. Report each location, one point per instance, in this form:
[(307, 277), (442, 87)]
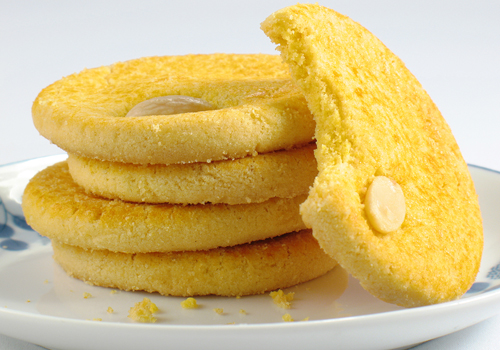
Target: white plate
[(39, 303)]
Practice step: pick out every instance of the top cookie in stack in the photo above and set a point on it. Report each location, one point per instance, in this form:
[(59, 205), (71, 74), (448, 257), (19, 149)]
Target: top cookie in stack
[(256, 109), (177, 164)]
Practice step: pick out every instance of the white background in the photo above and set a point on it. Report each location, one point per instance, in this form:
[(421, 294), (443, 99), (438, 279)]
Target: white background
[(453, 48)]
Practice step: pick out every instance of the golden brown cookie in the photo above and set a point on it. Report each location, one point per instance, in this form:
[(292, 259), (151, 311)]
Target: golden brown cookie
[(282, 174), (257, 110), (241, 270), (374, 119), (58, 208)]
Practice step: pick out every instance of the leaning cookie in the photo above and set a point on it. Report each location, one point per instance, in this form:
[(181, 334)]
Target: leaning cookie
[(241, 270), (241, 105), (283, 174), (380, 136), (58, 208)]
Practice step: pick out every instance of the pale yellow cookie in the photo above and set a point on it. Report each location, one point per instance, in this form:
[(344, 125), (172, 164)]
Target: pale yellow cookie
[(257, 109), (58, 208), (374, 119), (241, 270), (283, 174)]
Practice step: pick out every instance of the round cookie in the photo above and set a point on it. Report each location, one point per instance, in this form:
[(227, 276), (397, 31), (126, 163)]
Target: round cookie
[(58, 208), (240, 270), (373, 118), (282, 174), (257, 110)]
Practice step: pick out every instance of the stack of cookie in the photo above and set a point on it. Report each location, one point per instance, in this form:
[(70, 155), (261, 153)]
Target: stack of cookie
[(184, 177)]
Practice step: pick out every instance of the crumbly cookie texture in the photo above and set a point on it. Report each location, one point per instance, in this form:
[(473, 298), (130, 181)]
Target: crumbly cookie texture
[(58, 208), (373, 118), (281, 299), (283, 174), (219, 311), (143, 311), (245, 269), (189, 303), (257, 109)]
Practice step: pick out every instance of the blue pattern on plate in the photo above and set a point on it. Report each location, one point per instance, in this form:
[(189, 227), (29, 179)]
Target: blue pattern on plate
[(494, 273), (14, 245), (478, 287), (8, 224), (20, 221), (3, 216), (6, 231)]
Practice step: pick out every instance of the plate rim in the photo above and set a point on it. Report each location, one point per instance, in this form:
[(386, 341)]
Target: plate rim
[(492, 294)]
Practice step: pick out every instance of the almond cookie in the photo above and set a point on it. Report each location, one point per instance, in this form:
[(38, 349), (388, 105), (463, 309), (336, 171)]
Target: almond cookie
[(58, 208), (245, 269), (253, 108), (423, 245), (282, 174)]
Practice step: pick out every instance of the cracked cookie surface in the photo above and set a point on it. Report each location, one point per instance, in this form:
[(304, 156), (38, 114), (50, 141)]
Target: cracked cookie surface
[(373, 118)]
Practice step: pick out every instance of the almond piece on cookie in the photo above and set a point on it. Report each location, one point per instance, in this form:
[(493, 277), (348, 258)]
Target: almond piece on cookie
[(373, 118)]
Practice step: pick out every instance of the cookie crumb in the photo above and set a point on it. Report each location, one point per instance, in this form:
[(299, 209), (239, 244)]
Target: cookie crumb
[(113, 292), (281, 299), (219, 311), (97, 319), (287, 318), (189, 303), (243, 312), (28, 301), (143, 311), (46, 282), (110, 310), (87, 295), (305, 319)]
